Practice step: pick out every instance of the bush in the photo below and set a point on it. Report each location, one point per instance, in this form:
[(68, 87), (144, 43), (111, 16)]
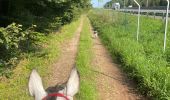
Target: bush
[(10, 36), (14, 40)]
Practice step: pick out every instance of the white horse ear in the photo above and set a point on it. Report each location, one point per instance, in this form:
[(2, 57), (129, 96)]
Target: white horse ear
[(73, 83), (35, 86)]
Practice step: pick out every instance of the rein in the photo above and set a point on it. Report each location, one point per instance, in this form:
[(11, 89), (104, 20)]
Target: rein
[(56, 95)]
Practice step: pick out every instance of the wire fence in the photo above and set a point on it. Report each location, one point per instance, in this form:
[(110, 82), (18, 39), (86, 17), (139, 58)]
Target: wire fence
[(147, 11), (156, 12)]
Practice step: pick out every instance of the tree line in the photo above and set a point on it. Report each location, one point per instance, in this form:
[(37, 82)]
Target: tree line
[(143, 3), (12, 10)]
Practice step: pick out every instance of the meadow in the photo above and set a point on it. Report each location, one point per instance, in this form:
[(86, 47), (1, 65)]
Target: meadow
[(144, 61)]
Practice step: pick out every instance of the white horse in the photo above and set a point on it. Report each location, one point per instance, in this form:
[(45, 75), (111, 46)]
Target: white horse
[(63, 92)]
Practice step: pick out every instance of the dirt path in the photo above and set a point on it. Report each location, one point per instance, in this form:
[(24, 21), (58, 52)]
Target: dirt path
[(61, 69), (112, 84)]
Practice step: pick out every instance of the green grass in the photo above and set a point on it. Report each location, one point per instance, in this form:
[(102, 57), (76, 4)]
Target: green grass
[(83, 62), (16, 88), (144, 61)]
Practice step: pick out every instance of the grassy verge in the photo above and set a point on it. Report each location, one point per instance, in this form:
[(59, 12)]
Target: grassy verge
[(83, 62), (144, 61), (16, 88)]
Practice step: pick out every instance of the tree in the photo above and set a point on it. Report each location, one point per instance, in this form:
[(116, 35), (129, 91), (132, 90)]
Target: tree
[(143, 3)]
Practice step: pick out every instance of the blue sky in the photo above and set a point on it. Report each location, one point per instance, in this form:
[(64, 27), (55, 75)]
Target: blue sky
[(95, 3)]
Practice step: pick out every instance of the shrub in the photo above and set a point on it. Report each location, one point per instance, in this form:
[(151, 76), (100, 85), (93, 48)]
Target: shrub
[(14, 40)]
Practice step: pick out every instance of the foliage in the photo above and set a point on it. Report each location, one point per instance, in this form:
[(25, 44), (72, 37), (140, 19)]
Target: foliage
[(13, 40), (15, 10), (13, 35), (144, 61)]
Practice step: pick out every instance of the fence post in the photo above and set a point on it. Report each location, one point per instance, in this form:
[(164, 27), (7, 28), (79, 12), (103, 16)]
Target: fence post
[(147, 14), (166, 25), (163, 16), (154, 15), (138, 27)]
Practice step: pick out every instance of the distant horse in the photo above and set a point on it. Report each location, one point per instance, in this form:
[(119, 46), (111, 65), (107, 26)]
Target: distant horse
[(62, 92)]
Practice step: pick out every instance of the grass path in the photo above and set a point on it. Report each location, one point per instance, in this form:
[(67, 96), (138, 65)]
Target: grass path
[(83, 62)]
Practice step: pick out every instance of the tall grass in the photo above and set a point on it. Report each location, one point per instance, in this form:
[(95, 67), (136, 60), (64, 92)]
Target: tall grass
[(16, 88), (83, 62), (144, 61)]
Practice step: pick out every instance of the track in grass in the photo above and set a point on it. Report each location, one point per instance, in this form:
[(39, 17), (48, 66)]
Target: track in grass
[(61, 69), (88, 89), (112, 84)]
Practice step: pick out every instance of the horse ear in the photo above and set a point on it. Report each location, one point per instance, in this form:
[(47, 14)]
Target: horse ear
[(35, 86), (73, 83)]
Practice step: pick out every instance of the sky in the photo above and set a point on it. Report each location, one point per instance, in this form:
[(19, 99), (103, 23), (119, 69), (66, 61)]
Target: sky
[(98, 5)]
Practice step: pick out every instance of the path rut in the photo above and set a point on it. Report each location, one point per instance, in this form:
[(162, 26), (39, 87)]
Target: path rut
[(112, 84), (62, 68)]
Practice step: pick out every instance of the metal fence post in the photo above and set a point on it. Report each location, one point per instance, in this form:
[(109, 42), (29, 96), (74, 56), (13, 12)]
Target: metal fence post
[(138, 27), (166, 25), (163, 16)]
